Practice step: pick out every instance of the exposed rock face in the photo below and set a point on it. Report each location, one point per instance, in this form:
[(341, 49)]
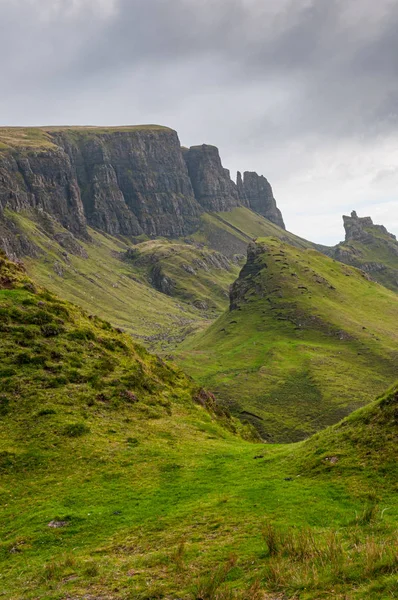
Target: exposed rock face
[(256, 193), (368, 247), (244, 282), (363, 228), (212, 184), (133, 181), (44, 180), (123, 181)]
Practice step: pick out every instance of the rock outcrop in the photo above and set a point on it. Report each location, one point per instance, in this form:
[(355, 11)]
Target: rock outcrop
[(255, 192), (363, 229), (214, 190), (368, 247)]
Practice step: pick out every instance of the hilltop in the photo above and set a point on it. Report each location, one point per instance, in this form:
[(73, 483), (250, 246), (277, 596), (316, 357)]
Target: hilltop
[(305, 341)]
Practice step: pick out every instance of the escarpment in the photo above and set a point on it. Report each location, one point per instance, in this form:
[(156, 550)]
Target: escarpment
[(256, 193), (127, 181), (133, 181), (212, 184), (42, 179)]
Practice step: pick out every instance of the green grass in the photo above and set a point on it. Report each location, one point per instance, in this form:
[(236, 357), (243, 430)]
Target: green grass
[(104, 282), (231, 232), (309, 341), (36, 138), (122, 291), (195, 274), (155, 497)]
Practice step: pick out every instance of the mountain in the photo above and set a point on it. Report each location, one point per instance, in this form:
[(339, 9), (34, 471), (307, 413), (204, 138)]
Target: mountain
[(121, 180), (305, 341), (117, 220), (370, 248)]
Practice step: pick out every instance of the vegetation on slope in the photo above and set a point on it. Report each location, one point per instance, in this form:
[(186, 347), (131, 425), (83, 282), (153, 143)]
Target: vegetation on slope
[(114, 484), (160, 291), (190, 272), (307, 340), (113, 277), (362, 445), (230, 232)]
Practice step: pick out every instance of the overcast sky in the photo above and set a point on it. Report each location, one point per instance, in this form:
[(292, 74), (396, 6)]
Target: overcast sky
[(303, 91)]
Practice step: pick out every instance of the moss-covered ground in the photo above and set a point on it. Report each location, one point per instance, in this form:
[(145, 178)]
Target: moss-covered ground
[(115, 483)]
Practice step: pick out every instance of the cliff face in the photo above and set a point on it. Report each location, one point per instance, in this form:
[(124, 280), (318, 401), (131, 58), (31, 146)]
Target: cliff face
[(44, 180), (256, 193), (123, 181), (369, 247), (214, 190), (133, 181)]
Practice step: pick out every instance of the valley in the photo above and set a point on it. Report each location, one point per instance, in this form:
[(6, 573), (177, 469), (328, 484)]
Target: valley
[(195, 403)]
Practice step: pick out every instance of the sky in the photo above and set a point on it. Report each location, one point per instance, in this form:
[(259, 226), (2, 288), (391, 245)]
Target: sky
[(304, 92)]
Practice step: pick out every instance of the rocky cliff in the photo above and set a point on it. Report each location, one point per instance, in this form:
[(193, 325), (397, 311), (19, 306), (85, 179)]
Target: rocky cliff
[(123, 181), (212, 184), (256, 193), (369, 247), (42, 179)]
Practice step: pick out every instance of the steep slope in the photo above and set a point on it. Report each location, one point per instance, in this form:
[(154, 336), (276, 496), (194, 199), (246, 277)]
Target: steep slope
[(362, 445), (369, 247), (306, 341), (159, 291), (231, 231), (115, 484), (190, 272), (124, 180)]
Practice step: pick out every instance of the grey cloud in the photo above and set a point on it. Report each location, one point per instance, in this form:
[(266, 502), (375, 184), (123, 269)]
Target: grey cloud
[(272, 83)]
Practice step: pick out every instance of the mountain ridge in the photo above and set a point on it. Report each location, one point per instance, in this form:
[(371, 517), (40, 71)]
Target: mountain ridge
[(133, 180)]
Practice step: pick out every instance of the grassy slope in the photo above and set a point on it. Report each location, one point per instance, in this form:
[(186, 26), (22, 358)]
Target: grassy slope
[(198, 275), (157, 497), (37, 138), (313, 341), (230, 232), (119, 291)]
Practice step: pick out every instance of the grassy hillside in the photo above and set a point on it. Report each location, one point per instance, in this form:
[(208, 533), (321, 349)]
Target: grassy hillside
[(102, 278), (308, 341), (362, 445), (190, 272), (115, 484), (231, 232), (160, 291)]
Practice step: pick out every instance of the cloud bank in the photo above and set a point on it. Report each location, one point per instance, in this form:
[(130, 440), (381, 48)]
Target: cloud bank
[(303, 91)]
